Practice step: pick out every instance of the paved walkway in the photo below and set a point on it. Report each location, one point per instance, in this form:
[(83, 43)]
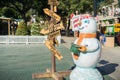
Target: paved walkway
[(109, 62), (19, 62)]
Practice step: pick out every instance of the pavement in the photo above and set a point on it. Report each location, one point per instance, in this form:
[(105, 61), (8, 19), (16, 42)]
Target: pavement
[(19, 62), (109, 63)]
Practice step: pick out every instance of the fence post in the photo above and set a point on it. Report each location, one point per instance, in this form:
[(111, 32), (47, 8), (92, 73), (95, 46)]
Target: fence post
[(27, 39), (8, 41)]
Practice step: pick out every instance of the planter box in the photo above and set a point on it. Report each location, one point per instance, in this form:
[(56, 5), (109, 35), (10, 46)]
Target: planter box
[(109, 42)]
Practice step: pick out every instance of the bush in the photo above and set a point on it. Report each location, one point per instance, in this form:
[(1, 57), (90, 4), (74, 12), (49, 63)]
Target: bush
[(22, 29), (35, 29)]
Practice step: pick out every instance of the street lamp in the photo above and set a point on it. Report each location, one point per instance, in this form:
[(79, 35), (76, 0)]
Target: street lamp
[(95, 7)]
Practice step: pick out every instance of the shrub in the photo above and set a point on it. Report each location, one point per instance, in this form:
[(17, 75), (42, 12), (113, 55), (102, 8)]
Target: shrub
[(35, 29), (22, 29)]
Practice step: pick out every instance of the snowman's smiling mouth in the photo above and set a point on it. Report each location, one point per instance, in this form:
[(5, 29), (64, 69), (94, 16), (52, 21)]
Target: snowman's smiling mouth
[(81, 28)]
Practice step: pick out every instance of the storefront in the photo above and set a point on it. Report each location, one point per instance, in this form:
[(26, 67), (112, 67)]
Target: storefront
[(111, 26), (117, 33), (5, 29), (7, 26)]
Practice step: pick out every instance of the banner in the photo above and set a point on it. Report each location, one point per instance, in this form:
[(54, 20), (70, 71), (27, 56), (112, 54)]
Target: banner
[(75, 22)]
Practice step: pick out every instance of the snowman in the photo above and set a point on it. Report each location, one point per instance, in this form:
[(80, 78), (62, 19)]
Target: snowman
[(86, 50)]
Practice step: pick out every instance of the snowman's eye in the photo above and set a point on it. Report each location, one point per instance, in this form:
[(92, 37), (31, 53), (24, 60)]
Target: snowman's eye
[(86, 21)]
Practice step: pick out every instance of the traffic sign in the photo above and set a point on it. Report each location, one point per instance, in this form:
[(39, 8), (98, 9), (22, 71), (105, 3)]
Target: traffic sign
[(54, 34), (58, 26), (52, 28), (44, 31), (52, 14), (53, 2), (50, 46)]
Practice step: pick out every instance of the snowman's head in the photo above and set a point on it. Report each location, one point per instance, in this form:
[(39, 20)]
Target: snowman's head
[(87, 25), (84, 23)]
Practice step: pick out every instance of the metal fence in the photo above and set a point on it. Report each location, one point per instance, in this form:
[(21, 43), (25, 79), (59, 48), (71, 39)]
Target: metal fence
[(22, 39)]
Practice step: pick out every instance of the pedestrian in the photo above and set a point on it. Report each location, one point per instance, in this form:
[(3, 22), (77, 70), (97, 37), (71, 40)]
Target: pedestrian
[(98, 34), (102, 38)]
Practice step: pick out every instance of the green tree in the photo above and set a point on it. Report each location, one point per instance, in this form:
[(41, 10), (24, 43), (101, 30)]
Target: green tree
[(35, 29), (8, 12), (22, 29), (26, 8), (102, 3), (119, 3), (66, 7), (22, 7), (39, 5)]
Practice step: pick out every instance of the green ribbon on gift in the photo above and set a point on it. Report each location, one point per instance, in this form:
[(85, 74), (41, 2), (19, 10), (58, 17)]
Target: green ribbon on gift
[(74, 49)]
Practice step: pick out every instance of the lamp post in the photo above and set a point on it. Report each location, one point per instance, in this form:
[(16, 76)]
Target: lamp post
[(95, 8)]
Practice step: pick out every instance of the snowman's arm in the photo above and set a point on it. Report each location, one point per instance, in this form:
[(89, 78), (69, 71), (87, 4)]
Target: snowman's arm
[(82, 48), (92, 47)]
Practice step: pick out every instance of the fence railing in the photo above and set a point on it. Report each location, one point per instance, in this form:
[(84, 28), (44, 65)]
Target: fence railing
[(24, 39)]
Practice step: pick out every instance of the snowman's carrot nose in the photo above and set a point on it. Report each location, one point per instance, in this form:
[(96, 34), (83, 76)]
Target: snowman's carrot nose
[(79, 23)]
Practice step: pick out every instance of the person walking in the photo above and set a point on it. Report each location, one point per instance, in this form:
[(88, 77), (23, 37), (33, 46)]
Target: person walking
[(102, 38), (98, 34)]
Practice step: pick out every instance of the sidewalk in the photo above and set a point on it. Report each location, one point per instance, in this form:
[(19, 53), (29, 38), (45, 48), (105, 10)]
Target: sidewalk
[(19, 62), (109, 62)]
